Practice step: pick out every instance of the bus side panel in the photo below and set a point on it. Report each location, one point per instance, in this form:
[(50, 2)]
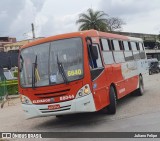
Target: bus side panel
[(142, 66), (100, 92), (118, 80), (130, 75)]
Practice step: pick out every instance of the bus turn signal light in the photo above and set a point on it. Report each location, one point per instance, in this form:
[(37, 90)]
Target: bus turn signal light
[(85, 90)]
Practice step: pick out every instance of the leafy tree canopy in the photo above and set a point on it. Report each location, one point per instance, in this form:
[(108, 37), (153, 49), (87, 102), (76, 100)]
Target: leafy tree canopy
[(98, 20)]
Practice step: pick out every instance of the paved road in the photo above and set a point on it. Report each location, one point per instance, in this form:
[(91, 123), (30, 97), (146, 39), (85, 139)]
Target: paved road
[(134, 113)]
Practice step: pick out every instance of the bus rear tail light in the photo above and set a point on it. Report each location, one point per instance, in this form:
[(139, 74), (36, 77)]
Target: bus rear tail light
[(85, 90)]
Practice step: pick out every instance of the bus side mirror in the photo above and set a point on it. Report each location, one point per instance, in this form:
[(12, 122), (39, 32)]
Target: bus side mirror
[(94, 52)]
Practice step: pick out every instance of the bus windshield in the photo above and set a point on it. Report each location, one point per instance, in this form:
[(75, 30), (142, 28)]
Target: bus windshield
[(56, 62)]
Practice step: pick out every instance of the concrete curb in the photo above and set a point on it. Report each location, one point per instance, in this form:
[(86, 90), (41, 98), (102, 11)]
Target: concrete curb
[(13, 96)]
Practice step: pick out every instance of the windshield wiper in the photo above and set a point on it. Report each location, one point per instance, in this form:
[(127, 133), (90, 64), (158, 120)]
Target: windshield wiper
[(61, 70), (34, 66), (21, 63)]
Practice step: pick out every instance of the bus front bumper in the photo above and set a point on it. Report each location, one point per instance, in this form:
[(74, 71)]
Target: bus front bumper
[(83, 104)]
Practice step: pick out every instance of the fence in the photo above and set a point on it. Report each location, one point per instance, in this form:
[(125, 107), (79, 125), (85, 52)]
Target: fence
[(9, 87), (3, 87)]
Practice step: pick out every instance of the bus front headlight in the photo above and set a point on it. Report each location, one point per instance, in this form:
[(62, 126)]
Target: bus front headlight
[(85, 90), (25, 100)]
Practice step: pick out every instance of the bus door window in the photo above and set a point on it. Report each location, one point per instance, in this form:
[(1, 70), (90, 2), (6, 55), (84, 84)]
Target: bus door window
[(94, 57), (95, 61)]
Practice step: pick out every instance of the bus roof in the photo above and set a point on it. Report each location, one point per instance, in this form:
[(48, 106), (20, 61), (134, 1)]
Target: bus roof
[(91, 33)]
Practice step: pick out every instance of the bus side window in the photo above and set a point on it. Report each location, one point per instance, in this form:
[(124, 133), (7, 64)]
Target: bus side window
[(142, 52), (121, 45), (107, 51), (118, 52), (141, 46), (95, 63), (135, 51), (137, 45), (127, 51), (129, 45)]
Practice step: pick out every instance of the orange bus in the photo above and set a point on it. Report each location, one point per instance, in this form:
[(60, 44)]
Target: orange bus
[(79, 72)]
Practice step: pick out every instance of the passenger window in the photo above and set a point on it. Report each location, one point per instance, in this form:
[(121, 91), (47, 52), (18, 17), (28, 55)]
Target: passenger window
[(121, 45), (142, 52), (105, 44), (127, 51), (126, 47), (107, 53), (116, 45), (119, 56), (128, 56), (141, 46), (108, 57), (117, 52), (133, 45), (136, 54), (137, 45), (129, 44)]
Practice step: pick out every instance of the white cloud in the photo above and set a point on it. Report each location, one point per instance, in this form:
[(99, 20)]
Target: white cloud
[(16, 16), (140, 15), (55, 17), (24, 19), (60, 17)]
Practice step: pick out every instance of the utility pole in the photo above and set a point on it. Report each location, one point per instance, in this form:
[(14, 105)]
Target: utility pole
[(33, 32)]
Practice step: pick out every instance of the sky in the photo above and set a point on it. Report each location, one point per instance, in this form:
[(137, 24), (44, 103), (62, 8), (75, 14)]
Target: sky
[(51, 17)]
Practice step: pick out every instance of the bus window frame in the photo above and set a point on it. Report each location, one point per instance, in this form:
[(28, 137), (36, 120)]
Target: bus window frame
[(110, 49), (113, 49), (98, 68), (130, 50), (139, 58)]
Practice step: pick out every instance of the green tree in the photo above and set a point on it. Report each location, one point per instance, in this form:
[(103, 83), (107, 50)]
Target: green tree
[(93, 20)]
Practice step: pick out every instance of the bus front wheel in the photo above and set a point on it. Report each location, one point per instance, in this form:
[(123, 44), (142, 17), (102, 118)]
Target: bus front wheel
[(113, 101)]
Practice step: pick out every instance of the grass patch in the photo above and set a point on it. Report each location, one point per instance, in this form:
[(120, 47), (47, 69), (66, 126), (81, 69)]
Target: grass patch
[(10, 86), (4, 140)]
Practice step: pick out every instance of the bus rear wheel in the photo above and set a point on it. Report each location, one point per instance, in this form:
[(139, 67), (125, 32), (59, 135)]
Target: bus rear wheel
[(59, 116), (113, 101), (140, 90), (150, 72)]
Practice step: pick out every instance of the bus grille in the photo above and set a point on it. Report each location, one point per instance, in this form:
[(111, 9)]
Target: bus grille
[(64, 108), (52, 94)]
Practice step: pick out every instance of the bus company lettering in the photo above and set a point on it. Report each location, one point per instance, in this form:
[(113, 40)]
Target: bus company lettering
[(41, 101), (122, 90)]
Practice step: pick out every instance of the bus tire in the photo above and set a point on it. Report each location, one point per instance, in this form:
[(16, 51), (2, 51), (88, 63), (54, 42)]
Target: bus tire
[(59, 116), (113, 101), (150, 72), (140, 90)]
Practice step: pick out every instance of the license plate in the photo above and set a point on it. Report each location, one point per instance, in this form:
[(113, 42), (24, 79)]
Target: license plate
[(53, 107)]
